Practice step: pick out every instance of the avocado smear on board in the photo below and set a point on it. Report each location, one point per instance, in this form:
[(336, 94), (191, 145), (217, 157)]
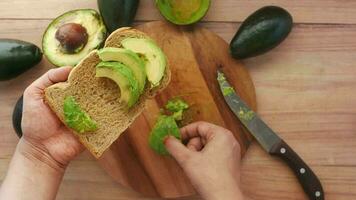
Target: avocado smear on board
[(176, 107), (76, 118), (167, 125)]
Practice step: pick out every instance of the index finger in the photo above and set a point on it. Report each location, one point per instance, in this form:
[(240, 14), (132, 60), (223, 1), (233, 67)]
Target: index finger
[(51, 77), (201, 129)]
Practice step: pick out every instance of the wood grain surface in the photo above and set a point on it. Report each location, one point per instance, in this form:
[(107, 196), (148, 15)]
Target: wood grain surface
[(305, 91), (194, 55)]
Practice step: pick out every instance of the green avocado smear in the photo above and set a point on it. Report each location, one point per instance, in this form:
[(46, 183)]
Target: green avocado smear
[(76, 118), (165, 126)]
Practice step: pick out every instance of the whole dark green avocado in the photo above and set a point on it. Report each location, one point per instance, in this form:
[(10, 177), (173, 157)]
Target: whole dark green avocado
[(261, 31), (16, 57), (117, 13)]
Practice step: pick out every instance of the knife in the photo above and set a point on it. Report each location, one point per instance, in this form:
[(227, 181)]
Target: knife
[(270, 141)]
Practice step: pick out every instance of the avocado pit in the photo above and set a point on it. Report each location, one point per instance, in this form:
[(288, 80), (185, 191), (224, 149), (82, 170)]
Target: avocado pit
[(72, 37)]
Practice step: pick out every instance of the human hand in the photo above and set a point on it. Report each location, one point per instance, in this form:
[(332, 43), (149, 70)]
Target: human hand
[(45, 137), (211, 159)]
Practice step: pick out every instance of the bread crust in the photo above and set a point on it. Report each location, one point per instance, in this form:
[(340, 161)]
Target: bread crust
[(99, 97)]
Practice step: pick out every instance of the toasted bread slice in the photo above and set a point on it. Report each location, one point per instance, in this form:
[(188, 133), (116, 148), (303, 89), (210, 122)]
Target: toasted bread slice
[(99, 97)]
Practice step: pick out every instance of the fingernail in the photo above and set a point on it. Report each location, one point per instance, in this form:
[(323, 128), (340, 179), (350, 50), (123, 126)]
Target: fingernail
[(166, 138)]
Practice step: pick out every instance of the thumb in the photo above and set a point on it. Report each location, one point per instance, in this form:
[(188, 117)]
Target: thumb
[(177, 149)]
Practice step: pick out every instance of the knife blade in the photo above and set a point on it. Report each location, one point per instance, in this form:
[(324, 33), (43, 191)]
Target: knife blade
[(269, 140)]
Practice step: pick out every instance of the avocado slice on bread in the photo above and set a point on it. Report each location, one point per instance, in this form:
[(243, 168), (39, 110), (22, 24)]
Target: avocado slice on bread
[(129, 59), (100, 97), (123, 77)]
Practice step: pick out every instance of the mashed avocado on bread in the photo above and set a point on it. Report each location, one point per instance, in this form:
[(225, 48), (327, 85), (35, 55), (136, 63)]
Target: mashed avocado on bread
[(76, 118)]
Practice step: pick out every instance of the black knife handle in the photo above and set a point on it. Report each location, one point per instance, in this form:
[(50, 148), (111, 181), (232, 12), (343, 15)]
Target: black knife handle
[(305, 175)]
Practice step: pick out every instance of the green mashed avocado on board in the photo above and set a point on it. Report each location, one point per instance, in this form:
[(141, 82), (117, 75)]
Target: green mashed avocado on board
[(76, 118), (176, 107), (165, 126)]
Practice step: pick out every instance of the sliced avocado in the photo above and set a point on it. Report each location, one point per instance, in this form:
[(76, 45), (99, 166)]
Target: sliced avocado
[(71, 36), (165, 126), (183, 12), (124, 78), (76, 118), (155, 60), (128, 58)]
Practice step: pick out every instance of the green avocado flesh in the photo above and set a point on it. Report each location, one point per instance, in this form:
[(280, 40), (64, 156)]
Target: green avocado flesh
[(123, 77), (129, 59), (176, 107), (87, 20), (76, 118), (183, 12), (154, 58), (165, 126)]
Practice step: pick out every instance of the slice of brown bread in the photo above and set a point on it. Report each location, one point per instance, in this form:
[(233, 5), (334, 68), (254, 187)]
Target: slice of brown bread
[(99, 97)]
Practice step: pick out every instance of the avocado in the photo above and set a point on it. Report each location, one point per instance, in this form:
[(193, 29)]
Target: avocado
[(17, 117), (183, 12), (155, 60), (117, 13), (165, 126), (177, 106), (71, 36), (16, 57), (129, 59), (123, 77), (260, 32), (76, 118)]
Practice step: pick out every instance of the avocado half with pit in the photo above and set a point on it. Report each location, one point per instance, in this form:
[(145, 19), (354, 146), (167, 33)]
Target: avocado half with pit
[(71, 36), (183, 12)]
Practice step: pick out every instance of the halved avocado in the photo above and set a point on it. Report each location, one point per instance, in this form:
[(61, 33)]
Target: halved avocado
[(71, 36), (123, 77), (183, 12), (129, 59), (155, 60)]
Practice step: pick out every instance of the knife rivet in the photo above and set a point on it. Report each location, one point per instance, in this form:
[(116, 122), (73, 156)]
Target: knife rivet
[(283, 150), (317, 194), (302, 170)]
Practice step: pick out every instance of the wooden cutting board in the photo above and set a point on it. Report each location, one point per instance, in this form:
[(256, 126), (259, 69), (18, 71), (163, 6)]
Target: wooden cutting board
[(194, 54)]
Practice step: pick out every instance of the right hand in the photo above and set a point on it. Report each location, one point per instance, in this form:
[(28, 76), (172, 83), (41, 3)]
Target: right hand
[(211, 159)]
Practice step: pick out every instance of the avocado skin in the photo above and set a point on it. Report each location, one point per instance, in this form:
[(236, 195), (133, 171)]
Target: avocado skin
[(117, 13), (261, 31), (17, 117), (16, 57)]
